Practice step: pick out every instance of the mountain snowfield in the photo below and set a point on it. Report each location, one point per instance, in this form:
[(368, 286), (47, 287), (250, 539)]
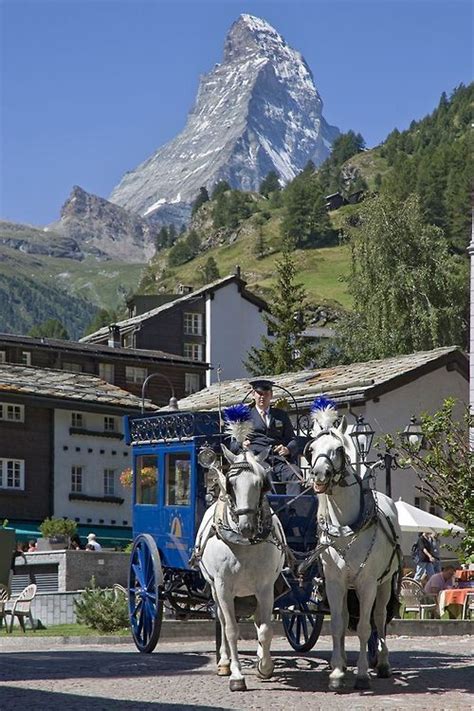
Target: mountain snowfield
[(257, 111)]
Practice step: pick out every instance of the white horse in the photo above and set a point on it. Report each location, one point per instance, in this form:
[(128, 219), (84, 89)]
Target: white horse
[(240, 547), (359, 529)]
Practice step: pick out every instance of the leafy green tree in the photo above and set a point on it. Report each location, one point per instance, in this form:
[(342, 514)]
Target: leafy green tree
[(270, 184), (286, 351), (445, 467), (407, 289), (51, 328), (210, 271), (203, 197), (219, 188)]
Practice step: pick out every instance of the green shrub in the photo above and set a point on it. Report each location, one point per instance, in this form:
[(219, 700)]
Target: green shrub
[(57, 527), (102, 609)]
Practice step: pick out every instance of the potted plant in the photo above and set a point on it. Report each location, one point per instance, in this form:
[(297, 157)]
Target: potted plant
[(57, 532)]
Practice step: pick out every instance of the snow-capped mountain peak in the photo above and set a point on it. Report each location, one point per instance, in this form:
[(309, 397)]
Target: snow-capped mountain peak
[(257, 111)]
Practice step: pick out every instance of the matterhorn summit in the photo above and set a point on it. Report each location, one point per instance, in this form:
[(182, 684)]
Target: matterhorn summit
[(257, 111)]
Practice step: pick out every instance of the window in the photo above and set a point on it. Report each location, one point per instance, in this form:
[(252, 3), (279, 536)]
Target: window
[(12, 474), (12, 413), (3, 356), (193, 351), (76, 480), (146, 474), (191, 383), (109, 424), (77, 419), (109, 482), (107, 372), (193, 324), (26, 357), (178, 479), (135, 375), (73, 367)]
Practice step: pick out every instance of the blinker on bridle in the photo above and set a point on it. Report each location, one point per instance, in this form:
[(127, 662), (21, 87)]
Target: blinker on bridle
[(323, 455), (235, 470)]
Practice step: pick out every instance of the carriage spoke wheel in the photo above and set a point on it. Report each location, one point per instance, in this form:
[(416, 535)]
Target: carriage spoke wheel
[(302, 626), (144, 596)]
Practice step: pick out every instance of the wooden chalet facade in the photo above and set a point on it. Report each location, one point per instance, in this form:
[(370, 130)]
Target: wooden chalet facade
[(124, 367)]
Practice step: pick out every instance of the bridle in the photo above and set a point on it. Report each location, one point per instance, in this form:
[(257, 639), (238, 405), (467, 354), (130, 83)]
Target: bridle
[(336, 475), (237, 469)]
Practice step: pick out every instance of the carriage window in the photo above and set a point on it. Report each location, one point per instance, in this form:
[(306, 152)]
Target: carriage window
[(146, 472), (178, 479)]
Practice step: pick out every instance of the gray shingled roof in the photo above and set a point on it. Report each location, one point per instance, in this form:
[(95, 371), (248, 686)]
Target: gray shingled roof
[(57, 344), (129, 323), (63, 385), (344, 383)]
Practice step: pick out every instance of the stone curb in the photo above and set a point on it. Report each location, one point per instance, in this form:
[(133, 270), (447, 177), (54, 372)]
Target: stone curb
[(205, 630)]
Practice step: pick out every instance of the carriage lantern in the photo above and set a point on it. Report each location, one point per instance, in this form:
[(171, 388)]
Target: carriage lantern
[(413, 435), (362, 435)]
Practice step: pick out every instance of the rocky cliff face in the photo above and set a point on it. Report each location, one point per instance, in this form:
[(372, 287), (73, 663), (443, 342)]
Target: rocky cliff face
[(105, 230), (257, 111)]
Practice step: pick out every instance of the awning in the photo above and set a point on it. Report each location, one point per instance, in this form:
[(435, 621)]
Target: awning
[(413, 519), (108, 536)]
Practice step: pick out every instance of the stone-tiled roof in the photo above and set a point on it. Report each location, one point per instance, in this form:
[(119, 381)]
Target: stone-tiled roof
[(130, 323), (96, 349), (65, 386), (344, 383)]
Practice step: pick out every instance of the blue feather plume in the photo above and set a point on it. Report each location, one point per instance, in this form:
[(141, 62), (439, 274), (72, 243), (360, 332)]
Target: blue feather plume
[(322, 403), (238, 422), (237, 413)]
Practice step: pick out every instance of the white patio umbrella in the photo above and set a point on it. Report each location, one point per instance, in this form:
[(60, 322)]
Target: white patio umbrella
[(412, 519)]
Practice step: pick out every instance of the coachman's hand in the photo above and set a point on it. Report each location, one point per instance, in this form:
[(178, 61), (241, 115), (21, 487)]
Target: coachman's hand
[(246, 444), (282, 450)]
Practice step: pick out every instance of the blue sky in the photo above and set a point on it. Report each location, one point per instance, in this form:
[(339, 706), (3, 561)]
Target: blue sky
[(90, 88)]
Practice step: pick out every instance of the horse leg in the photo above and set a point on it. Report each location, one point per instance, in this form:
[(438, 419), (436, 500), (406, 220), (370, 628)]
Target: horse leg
[(263, 623), (380, 616), (345, 617), (366, 597), (336, 594), (225, 601), (223, 665)]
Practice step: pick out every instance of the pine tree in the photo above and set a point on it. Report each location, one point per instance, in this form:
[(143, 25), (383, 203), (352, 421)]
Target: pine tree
[(286, 351), (270, 184), (51, 328), (259, 247), (193, 242), (219, 188), (172, 235), (162, 239), (210, 271), (179, 253), (305, 221), (202, 198)]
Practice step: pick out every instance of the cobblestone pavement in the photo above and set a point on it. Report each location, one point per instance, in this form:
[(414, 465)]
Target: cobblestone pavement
[(429, 673)]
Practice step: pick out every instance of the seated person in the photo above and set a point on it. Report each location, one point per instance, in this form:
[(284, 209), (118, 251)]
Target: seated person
[(440, 581), (272, 428)]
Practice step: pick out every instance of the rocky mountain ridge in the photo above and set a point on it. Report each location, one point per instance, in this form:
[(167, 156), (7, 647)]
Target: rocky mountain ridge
[(257, 111)]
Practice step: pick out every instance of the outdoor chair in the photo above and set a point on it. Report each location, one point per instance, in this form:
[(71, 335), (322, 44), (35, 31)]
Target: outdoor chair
[(21, 607), (468, 606), (4, 597), (414, 599)]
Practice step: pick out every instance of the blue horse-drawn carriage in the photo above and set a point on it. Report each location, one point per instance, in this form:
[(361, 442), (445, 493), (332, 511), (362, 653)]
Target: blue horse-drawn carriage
[(172, 487)]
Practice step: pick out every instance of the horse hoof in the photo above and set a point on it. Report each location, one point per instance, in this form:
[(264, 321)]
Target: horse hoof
[(223, 670), (362, 683), (237, 685), (261, 673), (384, 672), (335, 684)]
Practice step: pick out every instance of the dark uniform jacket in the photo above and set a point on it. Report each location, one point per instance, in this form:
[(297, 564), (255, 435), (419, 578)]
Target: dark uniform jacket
[(279, 431)]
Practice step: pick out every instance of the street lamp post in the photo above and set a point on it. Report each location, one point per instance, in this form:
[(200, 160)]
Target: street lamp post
[(173, 402), (362, 435)]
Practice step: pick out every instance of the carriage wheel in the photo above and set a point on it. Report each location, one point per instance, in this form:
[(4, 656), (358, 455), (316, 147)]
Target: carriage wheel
[(144, 598), (302, 627)]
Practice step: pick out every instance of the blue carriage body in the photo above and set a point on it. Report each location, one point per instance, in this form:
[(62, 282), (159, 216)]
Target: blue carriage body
[(170, 509)]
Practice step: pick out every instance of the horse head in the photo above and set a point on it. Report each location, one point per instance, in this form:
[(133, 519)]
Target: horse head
[(244, 486), (326, 453)]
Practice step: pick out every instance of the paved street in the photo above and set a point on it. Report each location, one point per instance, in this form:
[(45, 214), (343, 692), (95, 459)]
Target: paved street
[(429, 673)]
